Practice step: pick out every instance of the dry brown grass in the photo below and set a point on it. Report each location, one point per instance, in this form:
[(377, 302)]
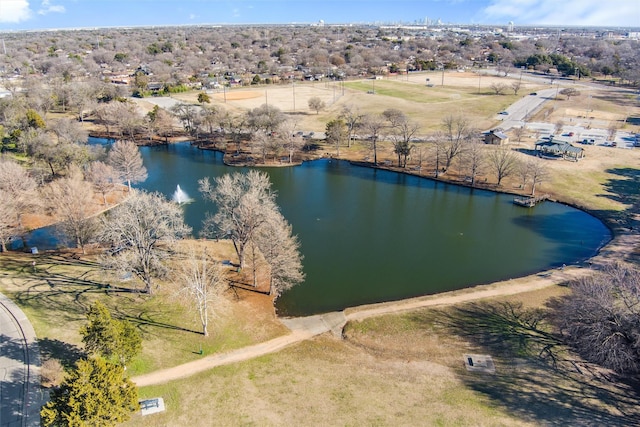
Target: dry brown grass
[(407, 369), (394, 370)]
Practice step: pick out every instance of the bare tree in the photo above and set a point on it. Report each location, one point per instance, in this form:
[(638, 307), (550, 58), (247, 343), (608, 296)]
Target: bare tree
[(558, 126), (291, 140), (244, 203), (68, 131), (234, 126), (125, 158), (103, 116), (126, 117), (402, 131), (498, 88), (316, 104), (502, 162), (261, 143), (187, 114), (538, 172), (352, 119), (139, 232), (281, 250), (599, 319), (336, 131), (204, 281), (266, 118), (18, 195), (372, 126), (473, 160), (519, 132), (523, 169), (456, 132), (516, 85), (569, 92), (70, 199), (158, 122), (103, 177)]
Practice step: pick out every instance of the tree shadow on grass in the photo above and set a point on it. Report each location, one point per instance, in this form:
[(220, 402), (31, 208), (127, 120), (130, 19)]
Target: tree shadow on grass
[(67, 354), (67, 293), (536, 376), (625, 190), (149, 321)]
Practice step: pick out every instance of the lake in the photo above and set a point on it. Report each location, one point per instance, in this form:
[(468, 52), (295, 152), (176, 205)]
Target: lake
[(370, 235)]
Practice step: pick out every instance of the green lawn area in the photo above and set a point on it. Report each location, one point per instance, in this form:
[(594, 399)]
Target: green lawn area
[(58, 293)]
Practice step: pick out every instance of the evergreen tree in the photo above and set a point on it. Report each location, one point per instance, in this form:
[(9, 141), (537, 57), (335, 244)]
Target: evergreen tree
[(95, 394), (113, 339)]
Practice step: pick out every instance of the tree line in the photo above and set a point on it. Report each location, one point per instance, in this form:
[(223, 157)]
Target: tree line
[(180, 56)]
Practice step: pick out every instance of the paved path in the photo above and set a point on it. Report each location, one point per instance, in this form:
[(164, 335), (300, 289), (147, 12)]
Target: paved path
[(20, 398), (304, 328)]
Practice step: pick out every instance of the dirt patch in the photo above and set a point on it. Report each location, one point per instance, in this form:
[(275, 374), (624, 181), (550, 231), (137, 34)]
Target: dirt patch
[(237, 95)]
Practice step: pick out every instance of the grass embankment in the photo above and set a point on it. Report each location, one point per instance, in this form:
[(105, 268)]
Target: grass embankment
[(57, 293), (407, 369)]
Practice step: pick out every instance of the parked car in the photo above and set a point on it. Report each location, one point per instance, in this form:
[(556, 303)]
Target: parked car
[(504, 113), (589, 141), (533, 94), (570, 134)]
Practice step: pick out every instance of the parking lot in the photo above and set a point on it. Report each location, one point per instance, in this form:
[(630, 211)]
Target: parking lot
[(578, 133)]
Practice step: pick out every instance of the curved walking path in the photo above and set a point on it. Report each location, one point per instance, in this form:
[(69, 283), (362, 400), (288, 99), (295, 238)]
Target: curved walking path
[(304, 328), (20, 397)]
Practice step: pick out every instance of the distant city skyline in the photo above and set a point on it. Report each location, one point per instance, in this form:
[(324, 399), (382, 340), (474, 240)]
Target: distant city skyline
[(48, 14)]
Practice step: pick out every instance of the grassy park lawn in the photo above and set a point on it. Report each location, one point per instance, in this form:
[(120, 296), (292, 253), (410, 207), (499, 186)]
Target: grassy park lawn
[(407, 369), (401, 369), (58, 293)]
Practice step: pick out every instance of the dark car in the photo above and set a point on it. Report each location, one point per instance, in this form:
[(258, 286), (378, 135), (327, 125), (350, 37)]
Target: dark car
[(533, 93)]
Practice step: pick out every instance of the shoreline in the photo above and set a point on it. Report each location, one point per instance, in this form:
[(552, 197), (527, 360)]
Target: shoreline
[(623, 239)]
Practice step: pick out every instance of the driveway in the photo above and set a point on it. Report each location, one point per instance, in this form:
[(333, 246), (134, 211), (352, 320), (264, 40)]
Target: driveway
[(519, 111)]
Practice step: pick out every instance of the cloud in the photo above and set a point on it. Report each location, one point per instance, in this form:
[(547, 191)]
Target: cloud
[(46, 7), (192, 16), (14, 11), (565, 13)]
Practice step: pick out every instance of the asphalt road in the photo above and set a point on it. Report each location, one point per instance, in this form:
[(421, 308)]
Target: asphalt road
[(20, 397)]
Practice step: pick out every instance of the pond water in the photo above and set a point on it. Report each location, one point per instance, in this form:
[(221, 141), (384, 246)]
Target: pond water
[(370, 235)]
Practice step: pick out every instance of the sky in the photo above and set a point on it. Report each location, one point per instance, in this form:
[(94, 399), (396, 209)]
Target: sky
[(48, 14)]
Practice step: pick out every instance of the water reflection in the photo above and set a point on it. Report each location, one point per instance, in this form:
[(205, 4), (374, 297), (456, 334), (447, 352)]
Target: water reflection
[(372, 235)]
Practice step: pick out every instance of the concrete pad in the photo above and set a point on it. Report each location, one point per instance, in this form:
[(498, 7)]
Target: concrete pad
[(479, 363), (152, 406)]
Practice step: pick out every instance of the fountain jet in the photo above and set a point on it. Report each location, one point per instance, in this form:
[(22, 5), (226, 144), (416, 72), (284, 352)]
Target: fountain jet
[(180, 197)]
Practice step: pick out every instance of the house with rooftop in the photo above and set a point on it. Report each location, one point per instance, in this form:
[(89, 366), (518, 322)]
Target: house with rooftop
[(496, 137)]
